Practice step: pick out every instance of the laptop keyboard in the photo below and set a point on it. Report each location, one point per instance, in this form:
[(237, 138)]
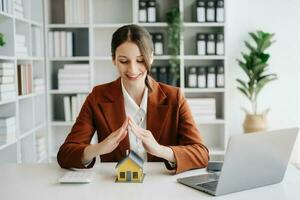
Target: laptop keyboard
[(209, 185)]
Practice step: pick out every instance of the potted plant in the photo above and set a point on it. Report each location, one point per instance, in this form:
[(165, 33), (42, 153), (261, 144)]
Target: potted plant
[(2, 42), (174, 29), (255, 66)]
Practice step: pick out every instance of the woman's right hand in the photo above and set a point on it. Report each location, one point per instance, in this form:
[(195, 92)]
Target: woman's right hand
[(107, 145), (112, 141)]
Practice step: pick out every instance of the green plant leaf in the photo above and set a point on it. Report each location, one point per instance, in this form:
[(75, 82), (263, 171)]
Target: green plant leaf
[(244, 92), (249, 46), (2, 42), (255, 65), (266, 42), (255, 38), (244, 67), (174, 30)]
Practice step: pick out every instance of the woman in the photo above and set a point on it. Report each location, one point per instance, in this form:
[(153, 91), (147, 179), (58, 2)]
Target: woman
[(134, 112)]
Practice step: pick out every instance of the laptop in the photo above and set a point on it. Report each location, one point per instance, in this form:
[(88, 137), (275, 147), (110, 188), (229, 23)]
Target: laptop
[(251, 160)]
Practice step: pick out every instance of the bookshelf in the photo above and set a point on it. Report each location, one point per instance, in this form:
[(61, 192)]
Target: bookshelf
[(23, 31), (96, 33)]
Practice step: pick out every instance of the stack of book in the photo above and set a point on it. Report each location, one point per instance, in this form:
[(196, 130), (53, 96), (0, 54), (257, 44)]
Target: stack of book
[(61, 43), (41, 148), (76, 12), (7, 129), (18, 8), (7, 84), (21, 48), (203, 109), (37, 41), (38, 85), (72, 106), (6, 6), (74, 77), (24, 79)]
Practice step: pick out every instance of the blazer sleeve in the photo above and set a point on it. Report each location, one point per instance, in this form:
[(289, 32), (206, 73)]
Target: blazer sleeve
[(190, 153), (71, 152)]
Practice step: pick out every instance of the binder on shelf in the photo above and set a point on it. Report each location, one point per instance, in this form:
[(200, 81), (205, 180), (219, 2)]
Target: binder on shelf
[(163, 75), (24, 73), (154, 72)]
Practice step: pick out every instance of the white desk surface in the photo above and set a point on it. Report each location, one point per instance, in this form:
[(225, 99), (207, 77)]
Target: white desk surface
[(40, 181)]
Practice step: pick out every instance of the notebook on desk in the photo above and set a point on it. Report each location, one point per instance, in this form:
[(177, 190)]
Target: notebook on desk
[(251, 160)]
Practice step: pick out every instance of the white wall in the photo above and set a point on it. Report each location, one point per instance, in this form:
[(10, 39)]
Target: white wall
[(282, 96)]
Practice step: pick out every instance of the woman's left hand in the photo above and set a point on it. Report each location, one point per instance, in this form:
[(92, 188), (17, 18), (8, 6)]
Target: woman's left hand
[(149, 142)]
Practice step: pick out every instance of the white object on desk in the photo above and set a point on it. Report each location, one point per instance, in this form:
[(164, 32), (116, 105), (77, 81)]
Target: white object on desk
[(77, 177)]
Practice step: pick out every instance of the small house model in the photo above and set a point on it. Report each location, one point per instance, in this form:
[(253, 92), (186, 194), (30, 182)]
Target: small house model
[(130, 169)]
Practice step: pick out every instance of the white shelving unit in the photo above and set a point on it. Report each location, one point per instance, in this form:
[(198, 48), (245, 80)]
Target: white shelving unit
[(30, 109), (104, 17)]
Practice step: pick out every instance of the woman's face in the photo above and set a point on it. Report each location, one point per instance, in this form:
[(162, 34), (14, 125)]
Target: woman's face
[(131, 64)]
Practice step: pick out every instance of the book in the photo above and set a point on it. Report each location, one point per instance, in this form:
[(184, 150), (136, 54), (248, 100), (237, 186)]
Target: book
[(73, 82), (70, 44), (51, 44), (37, 42), (7, 138), (6, 65), (70, 39), (6, 79), (63, 44), (83, 67), (74, 107), (5, 96), (57, 41), (73, 76), (7, 121), (74, 88), (7, 130), (67, 11), (67, 108), (7, 72), (7, 87)]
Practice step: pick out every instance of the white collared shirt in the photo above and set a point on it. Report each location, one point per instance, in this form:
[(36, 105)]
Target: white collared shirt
[(139, 115)]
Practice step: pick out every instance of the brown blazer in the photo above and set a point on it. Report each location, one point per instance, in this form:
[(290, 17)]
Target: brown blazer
[(168, 118)]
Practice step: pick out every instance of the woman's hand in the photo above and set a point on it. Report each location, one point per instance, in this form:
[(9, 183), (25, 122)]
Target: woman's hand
[(107, 145), (149, 142), (112, 141)]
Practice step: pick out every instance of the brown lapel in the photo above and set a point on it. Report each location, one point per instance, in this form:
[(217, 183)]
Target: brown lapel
[(114, 111), (156, 109)]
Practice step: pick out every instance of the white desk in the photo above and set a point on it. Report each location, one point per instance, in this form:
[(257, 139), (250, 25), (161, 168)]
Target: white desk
[(39, 181)]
